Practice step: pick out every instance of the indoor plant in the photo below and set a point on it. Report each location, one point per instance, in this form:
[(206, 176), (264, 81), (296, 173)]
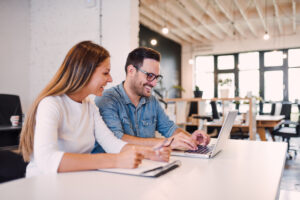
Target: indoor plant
[(197, 92), (224, 87)]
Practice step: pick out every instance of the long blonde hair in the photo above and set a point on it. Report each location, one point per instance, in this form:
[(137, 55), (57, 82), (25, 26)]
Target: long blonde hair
[(74, 73)]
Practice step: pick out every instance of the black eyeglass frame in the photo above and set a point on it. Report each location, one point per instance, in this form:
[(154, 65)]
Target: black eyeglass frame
[(150, 76)]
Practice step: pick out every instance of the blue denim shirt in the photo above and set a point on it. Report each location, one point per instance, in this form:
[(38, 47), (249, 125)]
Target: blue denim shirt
[(121, 116)]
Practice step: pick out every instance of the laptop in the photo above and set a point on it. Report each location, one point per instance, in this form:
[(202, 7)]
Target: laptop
[(212, 149)]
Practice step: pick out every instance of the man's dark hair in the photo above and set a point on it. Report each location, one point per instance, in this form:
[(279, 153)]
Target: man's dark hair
[(137, 56)]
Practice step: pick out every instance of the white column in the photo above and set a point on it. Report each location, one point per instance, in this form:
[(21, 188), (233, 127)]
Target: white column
[(120, 33)]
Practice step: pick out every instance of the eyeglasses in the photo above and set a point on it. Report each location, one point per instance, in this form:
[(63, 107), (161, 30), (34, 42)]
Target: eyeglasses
[(150, 76)]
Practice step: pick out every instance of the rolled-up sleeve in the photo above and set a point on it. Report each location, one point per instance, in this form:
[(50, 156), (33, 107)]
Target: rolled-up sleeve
[(109, 112), (46, 152), (164, 125)]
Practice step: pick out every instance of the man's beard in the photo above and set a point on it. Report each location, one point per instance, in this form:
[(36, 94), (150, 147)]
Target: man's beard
[(140, 90)]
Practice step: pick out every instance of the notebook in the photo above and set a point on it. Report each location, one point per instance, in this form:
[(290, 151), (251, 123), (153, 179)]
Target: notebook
[(212, 149), (147, 168)]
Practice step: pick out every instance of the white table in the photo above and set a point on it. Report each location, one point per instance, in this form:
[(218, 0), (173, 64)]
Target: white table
[(243, 170)]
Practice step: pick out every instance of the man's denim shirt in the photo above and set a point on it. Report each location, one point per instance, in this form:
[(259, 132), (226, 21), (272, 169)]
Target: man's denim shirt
[(121, 116)]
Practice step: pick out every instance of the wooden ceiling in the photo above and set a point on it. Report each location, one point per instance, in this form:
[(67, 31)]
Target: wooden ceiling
[(203, 22)]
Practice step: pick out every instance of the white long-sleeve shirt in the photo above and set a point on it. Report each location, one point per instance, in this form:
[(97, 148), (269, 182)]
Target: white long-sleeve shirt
[(63, 125)]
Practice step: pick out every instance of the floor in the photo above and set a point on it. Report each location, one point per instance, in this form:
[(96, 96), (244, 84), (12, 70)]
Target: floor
[(290, 182)]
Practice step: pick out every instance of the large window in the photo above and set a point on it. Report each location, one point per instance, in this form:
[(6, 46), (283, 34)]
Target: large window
[(273, 86), (204, 76), (273, 58), (248, 74), (272, 75), (230, 86), (226, 62), (294, 74)]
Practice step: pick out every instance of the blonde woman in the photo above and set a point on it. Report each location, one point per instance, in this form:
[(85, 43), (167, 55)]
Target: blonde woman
[(62, 125)]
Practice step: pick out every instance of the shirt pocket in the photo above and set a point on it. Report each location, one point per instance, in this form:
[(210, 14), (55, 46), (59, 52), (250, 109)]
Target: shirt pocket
[(127, 126), (148, 127)]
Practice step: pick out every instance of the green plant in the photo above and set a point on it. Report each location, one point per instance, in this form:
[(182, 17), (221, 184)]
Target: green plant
[(224, 82), (197, 88), (178, 87)]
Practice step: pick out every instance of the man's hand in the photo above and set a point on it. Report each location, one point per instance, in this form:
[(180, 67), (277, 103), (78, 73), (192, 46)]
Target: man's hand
[(182, 141), (201, 137)]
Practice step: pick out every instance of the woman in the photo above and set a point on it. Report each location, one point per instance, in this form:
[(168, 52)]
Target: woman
[(62, 125)]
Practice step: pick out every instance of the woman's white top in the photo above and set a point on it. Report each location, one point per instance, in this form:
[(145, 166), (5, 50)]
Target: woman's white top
[(64, 125)]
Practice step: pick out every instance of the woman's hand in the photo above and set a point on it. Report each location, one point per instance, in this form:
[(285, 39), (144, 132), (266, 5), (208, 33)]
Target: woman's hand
[(129, 157)]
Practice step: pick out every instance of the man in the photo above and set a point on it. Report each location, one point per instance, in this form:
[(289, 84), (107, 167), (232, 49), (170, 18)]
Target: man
[(133, 114)]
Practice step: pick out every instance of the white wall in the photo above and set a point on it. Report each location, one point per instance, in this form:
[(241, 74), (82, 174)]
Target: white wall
[(36, 35), (120, 33), (55, 27), (14, 48)]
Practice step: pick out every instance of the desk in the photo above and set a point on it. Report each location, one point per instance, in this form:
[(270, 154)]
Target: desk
[(245, 170), (267, 121)]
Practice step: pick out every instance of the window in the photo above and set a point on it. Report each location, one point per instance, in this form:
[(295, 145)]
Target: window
[(248, 61), (248, 73), (294, 55), (204, 76), (294, 82), (273, 85), (224, 76), (226, 62), (273, 58)]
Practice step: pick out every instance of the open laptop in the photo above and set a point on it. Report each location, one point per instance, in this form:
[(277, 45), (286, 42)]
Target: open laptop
[(211, 150)]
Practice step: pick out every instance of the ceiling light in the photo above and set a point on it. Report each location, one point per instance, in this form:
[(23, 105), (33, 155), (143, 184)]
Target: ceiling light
[(191, 61), (165, 30), (153, 42), (266, 36)]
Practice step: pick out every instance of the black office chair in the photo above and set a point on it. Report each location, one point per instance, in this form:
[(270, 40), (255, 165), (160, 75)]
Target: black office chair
[(194, 112), (9, 105), (287, 133), (12, 166), (215, 113)]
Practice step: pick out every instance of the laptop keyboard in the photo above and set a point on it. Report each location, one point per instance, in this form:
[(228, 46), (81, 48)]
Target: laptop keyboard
[(202, 149)]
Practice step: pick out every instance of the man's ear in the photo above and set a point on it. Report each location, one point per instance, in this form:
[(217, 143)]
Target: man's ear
[(130, 69)]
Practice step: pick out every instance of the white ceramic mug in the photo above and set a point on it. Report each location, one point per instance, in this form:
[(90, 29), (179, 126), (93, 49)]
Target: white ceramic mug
[(14, 120)]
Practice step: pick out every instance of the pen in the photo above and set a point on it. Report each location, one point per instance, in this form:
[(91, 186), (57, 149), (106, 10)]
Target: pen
[(163, 144)]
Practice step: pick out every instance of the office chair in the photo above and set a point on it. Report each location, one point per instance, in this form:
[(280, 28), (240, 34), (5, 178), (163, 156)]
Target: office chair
[(9, 105), (215, 113), (286, 133), (193, 111), (12, 166)]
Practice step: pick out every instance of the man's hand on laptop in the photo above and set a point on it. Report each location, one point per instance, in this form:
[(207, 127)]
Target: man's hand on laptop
[(183, 141), (201, 137)]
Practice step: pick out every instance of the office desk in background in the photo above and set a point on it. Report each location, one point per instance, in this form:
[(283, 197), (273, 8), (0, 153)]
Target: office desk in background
[(245, 170), (267, 121)]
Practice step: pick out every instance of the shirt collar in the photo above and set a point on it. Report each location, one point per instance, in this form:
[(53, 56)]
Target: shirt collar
[(143, 100)]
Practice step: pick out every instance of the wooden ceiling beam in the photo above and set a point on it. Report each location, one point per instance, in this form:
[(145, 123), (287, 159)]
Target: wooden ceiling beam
[(173, 20), (226, 11), (277, 16), (150, 24), (213, 15), (145, 13), (175, 10), (261, 14), (200, 18), (294, 7), (241, 8)]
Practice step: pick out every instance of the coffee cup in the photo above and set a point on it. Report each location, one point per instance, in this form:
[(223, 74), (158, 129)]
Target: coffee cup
[(15, 120)]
